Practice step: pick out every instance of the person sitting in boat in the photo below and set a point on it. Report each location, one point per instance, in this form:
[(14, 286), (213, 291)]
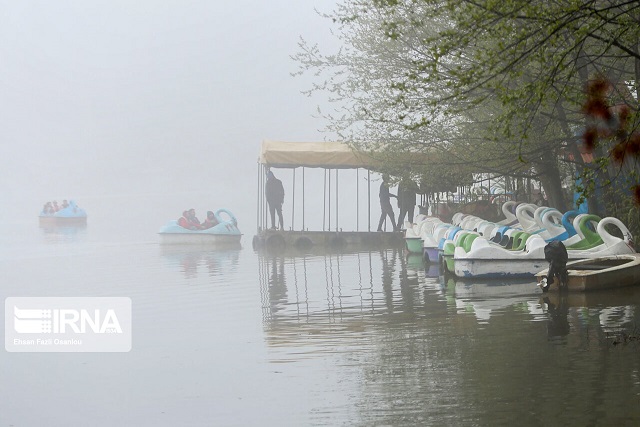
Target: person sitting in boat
[(56, 208), (184, 221), (47, 209), (65, 204), (193, 220), (211, 221)]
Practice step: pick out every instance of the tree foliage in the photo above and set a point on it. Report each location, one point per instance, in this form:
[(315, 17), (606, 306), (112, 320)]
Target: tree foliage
[(493, 86)]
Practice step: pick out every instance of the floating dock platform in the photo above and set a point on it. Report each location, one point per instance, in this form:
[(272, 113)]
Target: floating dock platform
[(279, 239)]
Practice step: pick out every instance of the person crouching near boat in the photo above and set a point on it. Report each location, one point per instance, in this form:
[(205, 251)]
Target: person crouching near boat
[(555, 253)]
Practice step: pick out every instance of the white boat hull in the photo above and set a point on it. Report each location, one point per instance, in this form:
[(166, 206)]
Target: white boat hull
[(498, 268), (200, 239), (225, 233)]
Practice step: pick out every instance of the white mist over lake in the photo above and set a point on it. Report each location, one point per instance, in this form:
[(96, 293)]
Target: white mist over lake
[(169, 102)]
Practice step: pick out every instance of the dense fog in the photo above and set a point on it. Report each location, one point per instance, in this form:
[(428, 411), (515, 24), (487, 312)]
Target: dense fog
[(138, 110)]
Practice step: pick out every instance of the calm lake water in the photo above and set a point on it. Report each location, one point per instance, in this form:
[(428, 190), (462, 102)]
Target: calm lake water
[(369, 338)]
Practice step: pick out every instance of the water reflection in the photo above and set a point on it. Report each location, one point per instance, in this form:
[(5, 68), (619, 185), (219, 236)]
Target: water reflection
[(388, 268), (409, 346), (63, 233), (415, 265), (609, 312), (277, 286), (342, 293), (192, 260), (558, 325), (613, 311), (483, 298)]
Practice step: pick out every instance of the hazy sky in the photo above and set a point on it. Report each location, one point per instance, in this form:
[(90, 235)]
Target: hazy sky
[(102, 100)]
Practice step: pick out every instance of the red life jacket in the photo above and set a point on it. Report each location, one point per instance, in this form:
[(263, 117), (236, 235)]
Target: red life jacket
[(184, 223)]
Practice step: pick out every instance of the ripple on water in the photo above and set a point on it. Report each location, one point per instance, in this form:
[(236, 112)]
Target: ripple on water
[(366, 338)]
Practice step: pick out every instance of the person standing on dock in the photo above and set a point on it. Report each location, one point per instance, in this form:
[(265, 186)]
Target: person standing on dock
[(275, 198), (385, 205), (406, 200)]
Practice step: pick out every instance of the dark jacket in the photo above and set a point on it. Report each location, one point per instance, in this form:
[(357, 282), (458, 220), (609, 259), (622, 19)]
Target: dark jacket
[(385, 195), (274, 191), (407, 194)]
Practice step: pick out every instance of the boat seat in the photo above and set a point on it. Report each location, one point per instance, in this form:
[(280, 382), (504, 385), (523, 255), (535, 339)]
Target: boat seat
[(591, 238), (499, 235), (467, 240), (520, 240), (507, 242)]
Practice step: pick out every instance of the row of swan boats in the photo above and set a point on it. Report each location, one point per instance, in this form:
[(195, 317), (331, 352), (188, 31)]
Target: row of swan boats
[(471, 247)]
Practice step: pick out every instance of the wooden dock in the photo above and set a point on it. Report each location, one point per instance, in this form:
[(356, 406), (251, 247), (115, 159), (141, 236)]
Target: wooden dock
[(278, 239)]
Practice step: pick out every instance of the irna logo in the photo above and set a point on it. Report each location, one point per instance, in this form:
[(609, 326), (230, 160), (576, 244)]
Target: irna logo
[(73, 324), (60, 321)]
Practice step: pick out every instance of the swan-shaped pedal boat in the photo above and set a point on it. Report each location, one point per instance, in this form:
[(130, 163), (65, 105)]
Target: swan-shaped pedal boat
[(226, 232), (414, 232), (72, 214)]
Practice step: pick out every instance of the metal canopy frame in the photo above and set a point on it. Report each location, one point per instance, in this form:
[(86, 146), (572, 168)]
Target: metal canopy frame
[(325, 155)]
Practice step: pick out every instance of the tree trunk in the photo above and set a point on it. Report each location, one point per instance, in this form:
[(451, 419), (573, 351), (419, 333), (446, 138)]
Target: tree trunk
[(551, 181)]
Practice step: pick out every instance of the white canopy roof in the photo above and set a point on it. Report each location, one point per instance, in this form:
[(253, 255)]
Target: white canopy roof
[(330, 155)]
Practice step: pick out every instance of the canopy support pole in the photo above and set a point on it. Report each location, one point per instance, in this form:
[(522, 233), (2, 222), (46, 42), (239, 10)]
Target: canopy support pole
[(337, 202), (369, 199), (329, 198), (303, 199), (259, 199), (293, 203), (265, 207), (324, 199), (357, 199)]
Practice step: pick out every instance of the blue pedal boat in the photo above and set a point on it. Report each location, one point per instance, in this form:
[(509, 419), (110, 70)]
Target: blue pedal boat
[(226, 232), (72, 214)]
